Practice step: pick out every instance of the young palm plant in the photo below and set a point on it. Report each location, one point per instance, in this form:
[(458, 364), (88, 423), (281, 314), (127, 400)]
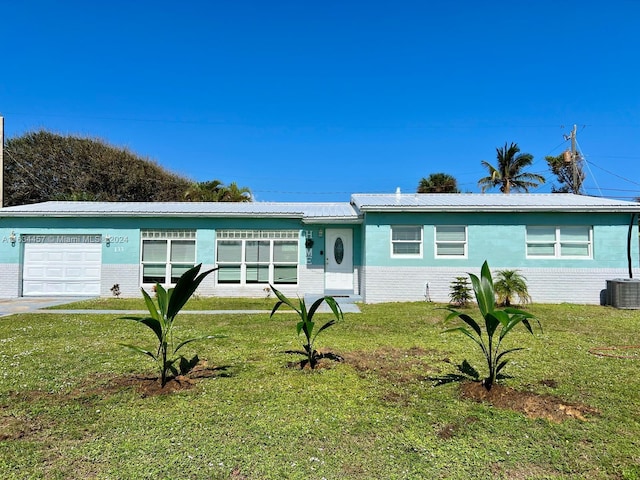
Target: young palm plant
[(307, 325), (508, 285), (497, 324), (161, 322)]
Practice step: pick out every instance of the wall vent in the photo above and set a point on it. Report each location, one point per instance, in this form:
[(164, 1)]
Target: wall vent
[(623, 293)]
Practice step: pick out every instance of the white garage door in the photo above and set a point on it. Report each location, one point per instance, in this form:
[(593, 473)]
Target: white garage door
[(52, 269)]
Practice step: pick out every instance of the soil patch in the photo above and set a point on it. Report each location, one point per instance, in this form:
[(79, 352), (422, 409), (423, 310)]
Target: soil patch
[(531, 404), (394, 364), (14, 428), (620, 351), (150, 386), (400, 366)]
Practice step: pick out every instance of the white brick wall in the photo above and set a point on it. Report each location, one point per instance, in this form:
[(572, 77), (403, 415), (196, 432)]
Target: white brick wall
[(546, 285), (125, 275), (10, 278), (311, 280)]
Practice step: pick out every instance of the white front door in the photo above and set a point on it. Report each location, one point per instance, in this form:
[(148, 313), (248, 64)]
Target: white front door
[(338, 259)]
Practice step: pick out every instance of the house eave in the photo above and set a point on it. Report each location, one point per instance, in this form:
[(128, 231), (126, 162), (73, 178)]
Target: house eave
[(148, 215), (332, 220), (494, 209)]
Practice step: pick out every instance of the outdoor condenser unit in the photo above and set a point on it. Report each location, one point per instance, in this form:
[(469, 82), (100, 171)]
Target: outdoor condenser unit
[(623, 293)]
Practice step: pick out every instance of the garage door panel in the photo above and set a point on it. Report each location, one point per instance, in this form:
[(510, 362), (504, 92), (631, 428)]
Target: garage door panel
[(74, 257), (93, 257), (31, 256), (62, 269)]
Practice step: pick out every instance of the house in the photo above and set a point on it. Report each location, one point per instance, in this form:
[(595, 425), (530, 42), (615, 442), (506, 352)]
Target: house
[(378, 247)]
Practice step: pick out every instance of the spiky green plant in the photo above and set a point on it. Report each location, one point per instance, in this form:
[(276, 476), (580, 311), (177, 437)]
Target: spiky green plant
[(161, 322), (307, 325), (497, 324), (460, 292), (508, 285)]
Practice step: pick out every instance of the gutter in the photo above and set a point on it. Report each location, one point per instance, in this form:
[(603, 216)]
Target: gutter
[(500, 209), (23, 214)]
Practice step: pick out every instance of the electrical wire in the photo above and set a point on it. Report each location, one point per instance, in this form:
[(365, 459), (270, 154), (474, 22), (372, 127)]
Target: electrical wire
[(26, 170), (592, 175)]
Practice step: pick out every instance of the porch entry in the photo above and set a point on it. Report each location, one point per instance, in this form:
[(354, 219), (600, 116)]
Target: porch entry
[(338, 273)]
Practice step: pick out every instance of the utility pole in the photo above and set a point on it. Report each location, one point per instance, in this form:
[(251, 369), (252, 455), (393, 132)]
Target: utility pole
[(572, 157)]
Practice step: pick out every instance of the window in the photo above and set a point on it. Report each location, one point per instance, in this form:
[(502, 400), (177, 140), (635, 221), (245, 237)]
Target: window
[(451, 241), (257, 256), (559, 242), (406, 241), (167, 254)]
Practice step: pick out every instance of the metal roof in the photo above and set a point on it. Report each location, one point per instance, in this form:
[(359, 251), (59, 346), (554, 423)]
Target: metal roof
[(308, 212), (332, 212), (470, 202)]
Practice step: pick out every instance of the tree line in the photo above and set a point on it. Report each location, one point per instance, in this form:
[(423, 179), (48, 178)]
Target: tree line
[(42, 166), (509, 174)]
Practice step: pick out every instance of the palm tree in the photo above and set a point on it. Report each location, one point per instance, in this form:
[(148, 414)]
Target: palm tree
[(204, 191), (216, 191), (508, 285), (233, 193), (438, 183), (508, 174)]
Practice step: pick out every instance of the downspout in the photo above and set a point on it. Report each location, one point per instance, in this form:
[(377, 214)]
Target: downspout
[(629, 263)]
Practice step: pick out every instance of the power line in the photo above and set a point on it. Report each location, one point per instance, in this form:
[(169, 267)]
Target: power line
[(27, 171), (611, 173)]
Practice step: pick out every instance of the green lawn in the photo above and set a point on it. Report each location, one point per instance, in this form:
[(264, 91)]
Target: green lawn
[(65, 411), (195, 303)]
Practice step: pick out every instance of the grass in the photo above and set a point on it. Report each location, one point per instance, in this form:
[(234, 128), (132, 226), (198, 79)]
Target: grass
[(195, 303), (64, 415)]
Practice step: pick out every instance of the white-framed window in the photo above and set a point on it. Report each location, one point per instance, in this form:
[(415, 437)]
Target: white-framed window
[(257, 256), (166, 255), (450, 241), (406, 241), (549, 241)]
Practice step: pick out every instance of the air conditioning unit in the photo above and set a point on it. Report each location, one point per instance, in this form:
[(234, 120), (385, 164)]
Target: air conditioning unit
[(623, 293)]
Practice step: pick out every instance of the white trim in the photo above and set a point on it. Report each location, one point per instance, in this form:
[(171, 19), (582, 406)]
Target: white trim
[(168, 235), (557, 244), (270, 236), (420, 242), (464, 243)]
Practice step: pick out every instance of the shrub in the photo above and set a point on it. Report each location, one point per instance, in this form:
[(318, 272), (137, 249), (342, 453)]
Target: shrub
[(460, 292), (510, 284)]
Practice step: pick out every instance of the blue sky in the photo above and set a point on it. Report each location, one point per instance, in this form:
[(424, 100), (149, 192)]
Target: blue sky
[(313, 101)]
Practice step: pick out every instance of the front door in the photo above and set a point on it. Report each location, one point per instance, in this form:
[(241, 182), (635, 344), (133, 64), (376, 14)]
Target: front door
[(338, 259)]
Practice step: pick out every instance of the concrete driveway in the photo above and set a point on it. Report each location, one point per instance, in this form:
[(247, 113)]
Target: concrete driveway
[(9, 306)]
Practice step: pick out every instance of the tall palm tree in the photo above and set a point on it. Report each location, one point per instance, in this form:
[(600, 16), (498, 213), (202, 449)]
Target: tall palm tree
[(438, 183), (509, 173)]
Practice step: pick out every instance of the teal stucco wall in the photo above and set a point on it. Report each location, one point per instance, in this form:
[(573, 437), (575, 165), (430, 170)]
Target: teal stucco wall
[(500, 238), (124, 246)]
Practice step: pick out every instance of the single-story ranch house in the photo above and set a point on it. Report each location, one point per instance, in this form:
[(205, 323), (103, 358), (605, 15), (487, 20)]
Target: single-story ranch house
[(376, 247)]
